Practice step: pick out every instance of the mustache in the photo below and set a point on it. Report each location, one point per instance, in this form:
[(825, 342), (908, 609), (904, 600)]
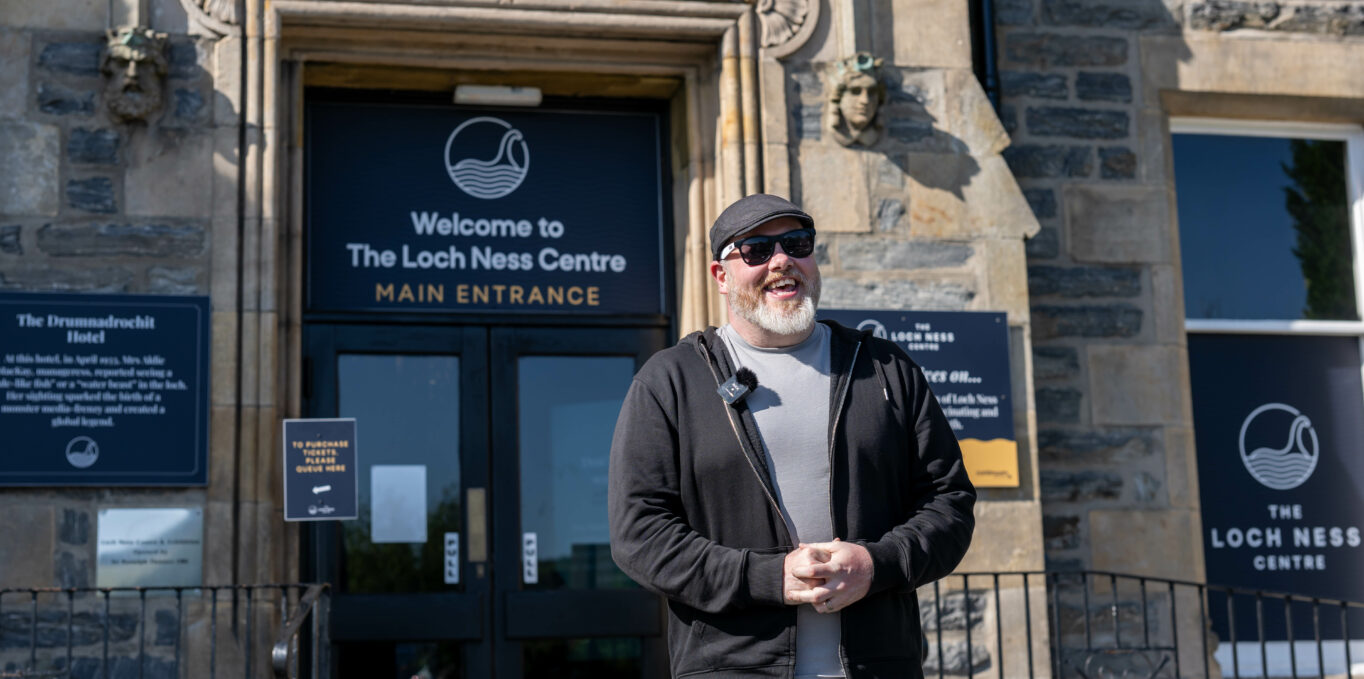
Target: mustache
[(793, 275)]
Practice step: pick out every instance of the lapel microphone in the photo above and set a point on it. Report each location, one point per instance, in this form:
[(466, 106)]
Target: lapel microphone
[(738, 387)]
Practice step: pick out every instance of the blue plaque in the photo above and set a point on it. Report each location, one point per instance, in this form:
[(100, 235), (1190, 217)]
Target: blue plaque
[(440, 209), (319, 470), (103, 390), (965, 357)]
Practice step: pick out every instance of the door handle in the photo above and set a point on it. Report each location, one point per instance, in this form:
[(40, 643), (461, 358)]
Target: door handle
[(476, 503)]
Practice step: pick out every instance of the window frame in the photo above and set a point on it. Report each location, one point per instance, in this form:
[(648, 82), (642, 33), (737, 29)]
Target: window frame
[(1353, 137)]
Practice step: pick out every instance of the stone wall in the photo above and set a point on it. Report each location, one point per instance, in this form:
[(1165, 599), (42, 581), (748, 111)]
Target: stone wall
[(1111, 385), (90, 204), (928, 217), (1088, 89)]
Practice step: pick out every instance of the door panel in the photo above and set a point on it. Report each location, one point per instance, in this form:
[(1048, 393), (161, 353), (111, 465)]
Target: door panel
[(568, 602), (418, 396), (410, 407), (493, 435)]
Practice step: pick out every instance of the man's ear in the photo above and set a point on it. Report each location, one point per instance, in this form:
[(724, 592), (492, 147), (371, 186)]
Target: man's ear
[(717, 271)]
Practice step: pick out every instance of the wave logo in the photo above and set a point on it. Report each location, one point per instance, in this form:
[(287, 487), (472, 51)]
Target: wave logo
[(82, 452), (486, 157), (878, 330), (1292, 454)]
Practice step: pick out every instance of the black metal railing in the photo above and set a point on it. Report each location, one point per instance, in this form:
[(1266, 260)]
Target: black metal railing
[(155, 632), (997, 625), (1105, 625), (313, 607)]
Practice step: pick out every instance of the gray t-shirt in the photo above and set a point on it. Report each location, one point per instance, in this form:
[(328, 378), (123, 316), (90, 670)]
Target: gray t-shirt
[(791, 408)]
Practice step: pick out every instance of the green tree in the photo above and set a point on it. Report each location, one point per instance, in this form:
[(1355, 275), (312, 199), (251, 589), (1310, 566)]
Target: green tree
[(1321, 219)]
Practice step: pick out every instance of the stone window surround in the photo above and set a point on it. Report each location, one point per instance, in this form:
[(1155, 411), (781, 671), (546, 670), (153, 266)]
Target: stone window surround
[(710, 48), (1353, 136), (1199, 75)]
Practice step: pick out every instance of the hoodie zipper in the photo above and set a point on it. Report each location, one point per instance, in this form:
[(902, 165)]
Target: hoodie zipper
[(833, 525), (729, 414)]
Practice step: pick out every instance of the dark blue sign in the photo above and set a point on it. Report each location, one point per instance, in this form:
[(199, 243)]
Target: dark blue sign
[(965, 357), (103, 390), (439, 209), (319, 470), (1281, 480)]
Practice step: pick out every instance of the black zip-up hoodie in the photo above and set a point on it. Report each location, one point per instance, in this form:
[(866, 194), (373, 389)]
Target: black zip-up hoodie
[(693, 515)]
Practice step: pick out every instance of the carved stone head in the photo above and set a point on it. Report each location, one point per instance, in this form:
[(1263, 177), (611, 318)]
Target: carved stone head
[(134, 66), (857, 95)]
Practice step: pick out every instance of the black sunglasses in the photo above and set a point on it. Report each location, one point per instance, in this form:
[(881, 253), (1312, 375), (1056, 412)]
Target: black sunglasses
[(757, 250)]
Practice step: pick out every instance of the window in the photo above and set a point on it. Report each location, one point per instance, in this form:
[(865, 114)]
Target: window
[(1270, 219)]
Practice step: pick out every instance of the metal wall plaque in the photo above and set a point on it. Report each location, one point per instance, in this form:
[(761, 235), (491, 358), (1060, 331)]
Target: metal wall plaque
[(160, 547), (103, 390), (965, 357)]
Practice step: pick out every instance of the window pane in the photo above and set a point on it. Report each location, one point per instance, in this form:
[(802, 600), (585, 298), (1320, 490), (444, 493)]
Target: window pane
[(406, 411), (568, 409), (1264, 228)]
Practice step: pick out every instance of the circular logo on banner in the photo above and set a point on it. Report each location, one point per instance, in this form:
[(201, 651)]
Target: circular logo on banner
[(877, 329), (82, 452), (486, 157), (1278, 446)]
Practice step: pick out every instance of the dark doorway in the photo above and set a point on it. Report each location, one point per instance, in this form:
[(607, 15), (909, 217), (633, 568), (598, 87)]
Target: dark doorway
[(481, 547)]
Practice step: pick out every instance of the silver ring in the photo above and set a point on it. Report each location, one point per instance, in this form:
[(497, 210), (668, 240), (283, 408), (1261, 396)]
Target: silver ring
[(829, 605)]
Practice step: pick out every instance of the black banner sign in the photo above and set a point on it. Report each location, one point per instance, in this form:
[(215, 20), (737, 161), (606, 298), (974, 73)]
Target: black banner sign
[(103, 390), (427, 208), (319, 470), (1281, 480), (965, 356)]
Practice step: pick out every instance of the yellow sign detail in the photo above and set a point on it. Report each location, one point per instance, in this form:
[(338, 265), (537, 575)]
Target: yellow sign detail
[(991, 464)]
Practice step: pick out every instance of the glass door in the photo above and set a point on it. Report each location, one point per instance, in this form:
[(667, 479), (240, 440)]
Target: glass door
[(481, 548), (411, 575), (569, 612)]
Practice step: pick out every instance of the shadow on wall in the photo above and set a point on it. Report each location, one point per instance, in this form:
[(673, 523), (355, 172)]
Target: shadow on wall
[(911, 138)]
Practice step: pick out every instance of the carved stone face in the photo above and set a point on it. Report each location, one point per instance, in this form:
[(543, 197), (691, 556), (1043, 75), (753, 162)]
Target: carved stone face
[(857, 95), (132, 89), (859, 101)]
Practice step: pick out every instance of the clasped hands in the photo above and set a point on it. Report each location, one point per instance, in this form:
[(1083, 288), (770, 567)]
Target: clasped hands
[(828, 575)]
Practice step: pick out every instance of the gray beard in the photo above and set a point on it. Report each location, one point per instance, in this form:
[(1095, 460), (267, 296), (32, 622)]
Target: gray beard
[(781, 322), (784, 320), (133, 104)]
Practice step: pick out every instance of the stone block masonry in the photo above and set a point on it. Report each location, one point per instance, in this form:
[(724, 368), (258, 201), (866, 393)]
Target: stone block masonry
[(67, 225), (85, 203), (1071, 79)]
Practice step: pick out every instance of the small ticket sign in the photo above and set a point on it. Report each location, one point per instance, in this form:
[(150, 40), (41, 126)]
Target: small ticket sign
[(965, 357), (319, 470)]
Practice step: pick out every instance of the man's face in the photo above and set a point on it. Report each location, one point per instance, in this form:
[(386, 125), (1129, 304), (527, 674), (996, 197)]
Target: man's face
[(777, 297), (133, 90), (858, 103)]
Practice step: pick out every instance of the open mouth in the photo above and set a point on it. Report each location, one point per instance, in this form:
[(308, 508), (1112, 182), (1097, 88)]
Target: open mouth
[(785, 287)]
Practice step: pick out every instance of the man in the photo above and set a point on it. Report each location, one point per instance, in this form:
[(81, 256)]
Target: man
[(788, 520)]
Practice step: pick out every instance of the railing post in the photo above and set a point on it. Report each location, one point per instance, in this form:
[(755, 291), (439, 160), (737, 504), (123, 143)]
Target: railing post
[(1203, 629), (322, 644)]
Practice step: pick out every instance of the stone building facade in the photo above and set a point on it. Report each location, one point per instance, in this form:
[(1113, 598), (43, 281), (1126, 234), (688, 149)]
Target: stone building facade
[(1056, 208), (1089, 89)]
